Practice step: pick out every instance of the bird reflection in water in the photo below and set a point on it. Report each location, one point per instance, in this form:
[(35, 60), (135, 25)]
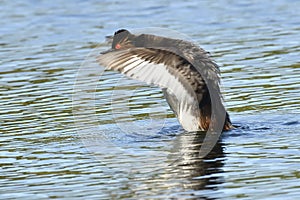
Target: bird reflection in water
[(197, 173)]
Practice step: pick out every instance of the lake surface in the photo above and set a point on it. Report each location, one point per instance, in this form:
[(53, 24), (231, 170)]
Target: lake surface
[(108, 137)]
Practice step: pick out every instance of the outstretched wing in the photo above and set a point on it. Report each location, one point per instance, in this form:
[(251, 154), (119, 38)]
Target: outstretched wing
[(177, 77)]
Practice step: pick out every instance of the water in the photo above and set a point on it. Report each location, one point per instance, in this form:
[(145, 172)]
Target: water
[(112, 146)]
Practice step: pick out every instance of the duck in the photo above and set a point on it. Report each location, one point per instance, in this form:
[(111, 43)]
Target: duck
[(188, 77)]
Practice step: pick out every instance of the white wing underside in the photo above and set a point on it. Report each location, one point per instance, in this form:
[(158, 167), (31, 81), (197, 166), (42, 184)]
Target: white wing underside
[(182, 102)]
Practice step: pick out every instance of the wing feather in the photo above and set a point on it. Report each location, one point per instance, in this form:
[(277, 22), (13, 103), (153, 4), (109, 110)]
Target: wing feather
[(153, 67)]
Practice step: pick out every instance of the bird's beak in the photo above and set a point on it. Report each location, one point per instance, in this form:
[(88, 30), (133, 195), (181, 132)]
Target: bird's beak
[(109, 38), (107, 51)]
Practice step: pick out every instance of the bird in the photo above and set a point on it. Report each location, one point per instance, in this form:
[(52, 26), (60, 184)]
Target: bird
[(188, 77)]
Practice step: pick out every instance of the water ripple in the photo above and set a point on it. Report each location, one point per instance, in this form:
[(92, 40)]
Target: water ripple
[(127, 144)]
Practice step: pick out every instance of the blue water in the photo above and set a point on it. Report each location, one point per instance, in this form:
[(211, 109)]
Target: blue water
[(110, 137)]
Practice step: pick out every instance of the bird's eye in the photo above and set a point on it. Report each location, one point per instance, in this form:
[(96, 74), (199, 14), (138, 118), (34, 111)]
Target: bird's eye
[(118, 46)]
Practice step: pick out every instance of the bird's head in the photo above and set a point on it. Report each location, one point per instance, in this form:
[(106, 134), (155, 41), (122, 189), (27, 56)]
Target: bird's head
[(122, 39)]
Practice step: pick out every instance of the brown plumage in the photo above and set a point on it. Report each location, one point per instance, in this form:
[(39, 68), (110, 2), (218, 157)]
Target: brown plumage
[(188, 77)]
